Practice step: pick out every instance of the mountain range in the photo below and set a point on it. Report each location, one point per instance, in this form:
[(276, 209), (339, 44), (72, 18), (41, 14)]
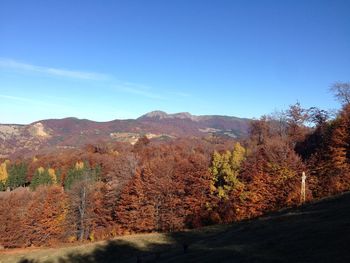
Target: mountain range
[(46, 135)]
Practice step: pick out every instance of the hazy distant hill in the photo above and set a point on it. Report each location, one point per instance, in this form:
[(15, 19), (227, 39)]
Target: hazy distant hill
[(72, 132)]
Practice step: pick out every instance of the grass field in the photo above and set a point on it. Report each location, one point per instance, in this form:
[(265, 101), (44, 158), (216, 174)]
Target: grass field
[(318, 232)]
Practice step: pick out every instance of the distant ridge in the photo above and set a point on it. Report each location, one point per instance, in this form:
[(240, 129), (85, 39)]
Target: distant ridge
[(71, 132)]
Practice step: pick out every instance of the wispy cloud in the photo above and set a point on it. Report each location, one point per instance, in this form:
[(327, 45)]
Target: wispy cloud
[(116, 84), (22, 99), (16, 65), (29, 100)]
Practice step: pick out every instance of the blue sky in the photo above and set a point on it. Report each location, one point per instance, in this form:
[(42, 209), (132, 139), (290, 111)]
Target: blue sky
[(104, 60)]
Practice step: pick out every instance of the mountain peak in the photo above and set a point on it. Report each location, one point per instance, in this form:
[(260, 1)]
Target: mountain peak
[(163, 115), (155, 114), (182, 115)]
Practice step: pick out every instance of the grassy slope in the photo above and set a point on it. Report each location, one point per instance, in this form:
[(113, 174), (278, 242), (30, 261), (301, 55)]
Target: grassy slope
[(318, 232)]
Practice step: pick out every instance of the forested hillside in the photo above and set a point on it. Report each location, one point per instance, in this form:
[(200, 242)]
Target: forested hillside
[(109, 189)]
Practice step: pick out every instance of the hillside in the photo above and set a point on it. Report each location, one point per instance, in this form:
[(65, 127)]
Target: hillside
[(48, 135), (317, 232)]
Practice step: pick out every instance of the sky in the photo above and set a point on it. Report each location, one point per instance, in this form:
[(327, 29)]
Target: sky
[(105, 60)]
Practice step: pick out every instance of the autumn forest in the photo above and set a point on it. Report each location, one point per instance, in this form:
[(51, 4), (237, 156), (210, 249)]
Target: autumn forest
[(108, 189)]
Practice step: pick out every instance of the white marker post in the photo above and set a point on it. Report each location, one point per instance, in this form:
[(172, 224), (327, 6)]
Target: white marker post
[(302, 193)]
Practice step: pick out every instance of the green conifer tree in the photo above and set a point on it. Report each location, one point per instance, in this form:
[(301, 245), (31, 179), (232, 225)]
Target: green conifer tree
[(41, 177), (17, 175)]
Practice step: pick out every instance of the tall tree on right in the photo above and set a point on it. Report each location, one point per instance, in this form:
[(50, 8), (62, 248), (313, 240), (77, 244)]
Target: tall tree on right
[(296, 116), (341, 91)]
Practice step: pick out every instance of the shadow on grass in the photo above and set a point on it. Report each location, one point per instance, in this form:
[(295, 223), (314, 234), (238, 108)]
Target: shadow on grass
[(191, 246), (318, 232), (113, 251), (278, 241)]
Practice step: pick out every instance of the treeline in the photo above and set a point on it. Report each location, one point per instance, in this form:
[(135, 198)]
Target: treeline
[(105, 190)]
